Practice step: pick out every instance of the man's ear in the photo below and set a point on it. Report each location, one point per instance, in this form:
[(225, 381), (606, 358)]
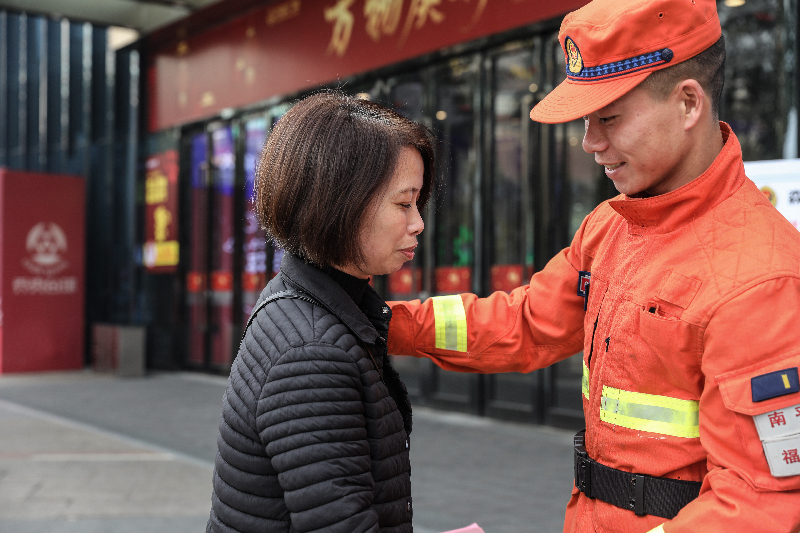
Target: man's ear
[(694, 102)]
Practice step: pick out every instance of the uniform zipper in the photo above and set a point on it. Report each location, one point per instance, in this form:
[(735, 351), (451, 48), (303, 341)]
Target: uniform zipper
[(591, 349), (594, 331)]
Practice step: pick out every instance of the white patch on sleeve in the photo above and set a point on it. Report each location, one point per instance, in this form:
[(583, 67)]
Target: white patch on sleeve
[(779, 431)]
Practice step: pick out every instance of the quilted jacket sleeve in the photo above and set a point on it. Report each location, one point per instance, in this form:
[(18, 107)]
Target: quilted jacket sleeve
[(751, 334), (245, 497), (314, 425)]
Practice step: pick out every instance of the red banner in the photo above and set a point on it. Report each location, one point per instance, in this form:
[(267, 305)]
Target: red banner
[(297, 44), (42, 228), (403, 281), (506, 277), (160, 253), (453, 280)]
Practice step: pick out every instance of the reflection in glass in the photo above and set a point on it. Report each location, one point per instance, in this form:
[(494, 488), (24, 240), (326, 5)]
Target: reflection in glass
[(222, 242), (254, 273), (514, 74), (455, 87), (196, 277), (760, 69)]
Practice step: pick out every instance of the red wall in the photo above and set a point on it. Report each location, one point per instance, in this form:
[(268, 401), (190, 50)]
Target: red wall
[(291, 45), (42, 228)]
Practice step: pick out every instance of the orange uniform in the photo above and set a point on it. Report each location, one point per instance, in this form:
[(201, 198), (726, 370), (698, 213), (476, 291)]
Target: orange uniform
[(693, 302)]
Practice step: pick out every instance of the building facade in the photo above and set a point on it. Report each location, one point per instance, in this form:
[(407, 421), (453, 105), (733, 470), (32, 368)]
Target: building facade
[(513, 191)]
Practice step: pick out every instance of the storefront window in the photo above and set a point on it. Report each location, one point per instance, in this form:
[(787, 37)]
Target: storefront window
[(456, 85), (222, 243), (515, 78), (196, 277), (758, 98), (254, 275)]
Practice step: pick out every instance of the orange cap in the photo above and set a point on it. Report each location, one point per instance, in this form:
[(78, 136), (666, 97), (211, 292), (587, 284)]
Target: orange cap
[(611, 46)]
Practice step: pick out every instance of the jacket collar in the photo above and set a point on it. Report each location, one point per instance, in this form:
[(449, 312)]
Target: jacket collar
[(315, 282), (668, 212)]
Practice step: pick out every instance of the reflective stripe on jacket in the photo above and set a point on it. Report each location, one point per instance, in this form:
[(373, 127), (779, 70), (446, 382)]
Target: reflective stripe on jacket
[(691, 295)]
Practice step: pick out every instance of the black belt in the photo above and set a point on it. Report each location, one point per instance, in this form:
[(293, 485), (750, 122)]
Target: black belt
[(642, 494)]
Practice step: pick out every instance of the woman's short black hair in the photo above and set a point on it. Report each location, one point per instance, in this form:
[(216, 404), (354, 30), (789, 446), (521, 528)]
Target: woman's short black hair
[(327, 159)]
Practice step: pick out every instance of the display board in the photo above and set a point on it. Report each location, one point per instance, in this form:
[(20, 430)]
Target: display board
[(42, 285)]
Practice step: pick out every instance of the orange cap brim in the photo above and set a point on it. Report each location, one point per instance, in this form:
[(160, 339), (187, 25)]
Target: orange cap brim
[(575, 99)]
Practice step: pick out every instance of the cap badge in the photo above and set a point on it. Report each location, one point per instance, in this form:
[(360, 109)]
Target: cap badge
[(574, 59)]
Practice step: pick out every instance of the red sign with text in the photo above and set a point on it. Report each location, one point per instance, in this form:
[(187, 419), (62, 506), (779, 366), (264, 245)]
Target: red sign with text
[(160, 252), (293, 45), (42, 231)]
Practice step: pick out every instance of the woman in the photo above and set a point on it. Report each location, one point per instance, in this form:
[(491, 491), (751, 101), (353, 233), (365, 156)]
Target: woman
[(315, 421)]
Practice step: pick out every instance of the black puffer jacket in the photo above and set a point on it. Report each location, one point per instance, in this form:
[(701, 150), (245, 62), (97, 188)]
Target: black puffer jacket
[(315, 421)]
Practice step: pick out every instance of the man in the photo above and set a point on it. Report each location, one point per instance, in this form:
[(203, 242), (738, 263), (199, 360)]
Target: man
[(683, 292)]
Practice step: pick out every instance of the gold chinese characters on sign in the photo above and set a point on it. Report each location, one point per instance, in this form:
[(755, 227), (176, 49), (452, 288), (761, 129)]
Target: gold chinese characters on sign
[(382, 16), (383, 19), (283, 12)]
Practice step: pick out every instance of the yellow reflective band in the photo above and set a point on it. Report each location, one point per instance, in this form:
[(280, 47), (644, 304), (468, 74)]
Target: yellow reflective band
[(786, 384), (659, 529), (451, 323), (585, 381), (648, 412)]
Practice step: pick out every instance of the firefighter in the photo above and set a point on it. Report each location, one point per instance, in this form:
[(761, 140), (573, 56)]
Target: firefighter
[(683, 292)]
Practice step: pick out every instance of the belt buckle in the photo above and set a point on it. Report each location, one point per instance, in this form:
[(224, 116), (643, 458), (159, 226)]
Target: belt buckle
[(583, 467)]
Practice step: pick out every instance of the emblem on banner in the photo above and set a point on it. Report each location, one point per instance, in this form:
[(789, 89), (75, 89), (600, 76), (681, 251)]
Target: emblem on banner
[(46, 242), (770, 194)]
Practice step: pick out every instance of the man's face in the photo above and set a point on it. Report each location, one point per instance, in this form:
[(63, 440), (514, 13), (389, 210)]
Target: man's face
[(641, 142)]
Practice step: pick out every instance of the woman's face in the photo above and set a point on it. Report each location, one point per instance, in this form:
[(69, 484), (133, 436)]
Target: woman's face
[(390, 231)]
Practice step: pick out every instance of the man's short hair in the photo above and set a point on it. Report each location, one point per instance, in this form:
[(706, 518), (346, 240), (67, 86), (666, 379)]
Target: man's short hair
[(707, 67), (327, 159)]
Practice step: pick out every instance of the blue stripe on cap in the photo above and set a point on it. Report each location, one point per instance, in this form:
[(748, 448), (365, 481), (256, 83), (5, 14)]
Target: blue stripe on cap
[(774, 384), (619, 68)]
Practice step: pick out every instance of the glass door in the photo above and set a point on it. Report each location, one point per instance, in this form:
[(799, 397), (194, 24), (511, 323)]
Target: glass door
[(196, 282), (456, 108), (254, 242), (222, 241), (210, 237), (514, 78)]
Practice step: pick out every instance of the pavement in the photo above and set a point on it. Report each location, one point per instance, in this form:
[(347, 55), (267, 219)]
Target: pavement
[(86, 452)]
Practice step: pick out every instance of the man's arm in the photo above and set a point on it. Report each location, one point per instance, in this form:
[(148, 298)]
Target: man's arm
[(532, 327), (752, 351)]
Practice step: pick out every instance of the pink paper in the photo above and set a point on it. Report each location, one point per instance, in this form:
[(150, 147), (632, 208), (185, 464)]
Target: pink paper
[(474, 528)]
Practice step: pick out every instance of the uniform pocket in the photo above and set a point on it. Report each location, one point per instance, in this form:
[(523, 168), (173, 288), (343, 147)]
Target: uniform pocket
[(769, 428), (671, 344)]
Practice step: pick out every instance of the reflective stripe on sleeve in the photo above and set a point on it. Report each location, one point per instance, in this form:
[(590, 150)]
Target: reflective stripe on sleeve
[(648, 412), (451, 323), (585, 381), (659, 529)]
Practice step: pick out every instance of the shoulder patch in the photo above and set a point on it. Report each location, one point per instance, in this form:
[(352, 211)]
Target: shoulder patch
[(774, 384), (584, 279)]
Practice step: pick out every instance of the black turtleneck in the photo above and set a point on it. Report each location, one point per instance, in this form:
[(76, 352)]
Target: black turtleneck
[(353, 286)]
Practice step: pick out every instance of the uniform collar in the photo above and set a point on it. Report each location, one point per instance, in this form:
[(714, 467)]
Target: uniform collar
[(670, 211)]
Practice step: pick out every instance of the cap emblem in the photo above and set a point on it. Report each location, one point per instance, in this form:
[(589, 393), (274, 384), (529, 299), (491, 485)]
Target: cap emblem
[(574, 59)]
